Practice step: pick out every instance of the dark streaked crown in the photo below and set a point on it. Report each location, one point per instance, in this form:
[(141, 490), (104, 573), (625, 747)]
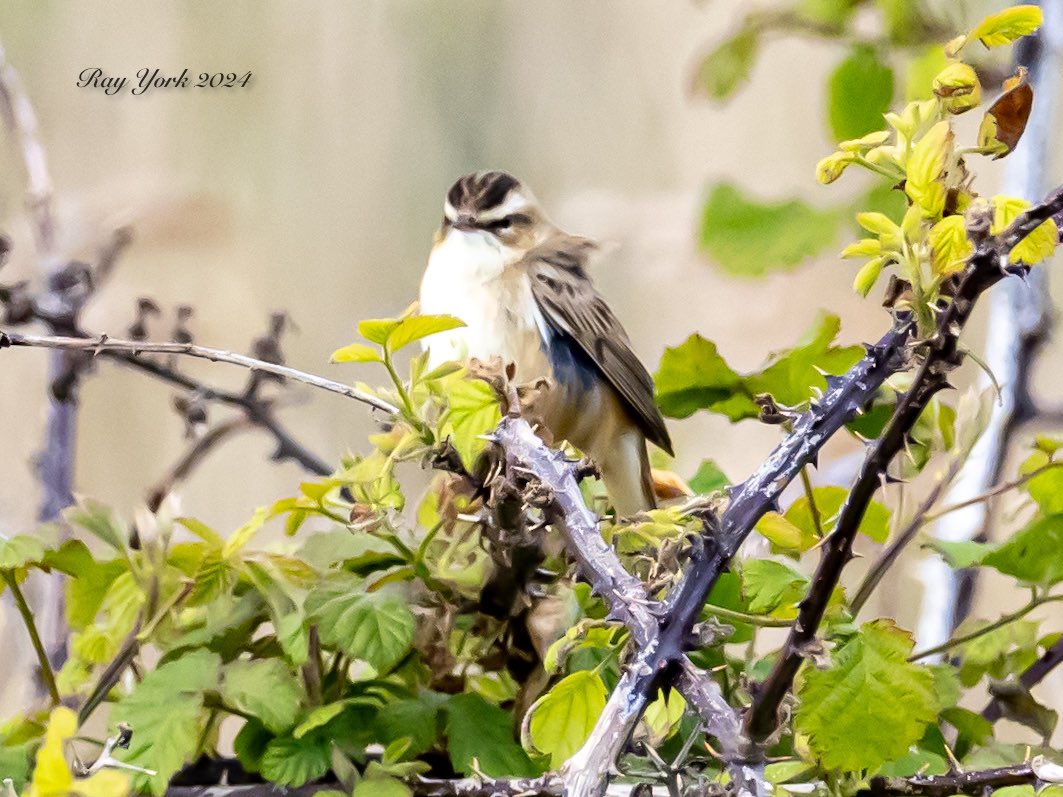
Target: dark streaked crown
[(480, 191)]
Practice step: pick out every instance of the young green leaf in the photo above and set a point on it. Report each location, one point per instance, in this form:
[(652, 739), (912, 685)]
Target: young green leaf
[(708, 478), (949, 246), (870, 705), (472, 412), (376, 627), (562, 719), (769, 586), (1038, 245), (356, 353), (263, 688), (293, 762), (420, 326), (377, 330), (1008, 25), (166, 709)]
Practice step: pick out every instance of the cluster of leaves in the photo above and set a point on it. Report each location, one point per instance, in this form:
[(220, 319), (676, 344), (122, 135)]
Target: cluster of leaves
[(902, 60)]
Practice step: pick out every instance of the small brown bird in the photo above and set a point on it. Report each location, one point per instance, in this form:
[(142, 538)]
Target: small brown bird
[(521, 286)]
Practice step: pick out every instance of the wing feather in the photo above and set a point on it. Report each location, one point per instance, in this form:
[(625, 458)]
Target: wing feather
[(573, 308)]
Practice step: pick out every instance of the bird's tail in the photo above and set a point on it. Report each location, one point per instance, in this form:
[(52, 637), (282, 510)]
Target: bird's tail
[(627, 474)]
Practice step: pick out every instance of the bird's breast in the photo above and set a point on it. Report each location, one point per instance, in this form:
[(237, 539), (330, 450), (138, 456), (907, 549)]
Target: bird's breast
[(470, 276)]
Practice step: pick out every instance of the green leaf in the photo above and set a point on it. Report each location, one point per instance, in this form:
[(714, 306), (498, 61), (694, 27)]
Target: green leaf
[(870, 705), (415, 720), (829, 501), (19, 551), (769, 585), (1032, 555), (478, 731), (356, 353), (250, 744), (165, 711), (925, 167), (377, 330), (376, 627), (1035, 247), (708, 479), (293, 762), (861, 90), (998, 653), (727, 66), (781, 533), (1006, 26), (949, 245), (750, 238), (563, 718), (320, 716), (380, 787), (1046, 488), (791, 376), (421, 326), (472, 411), (15, 764), (921, 71), (960, 554), (266, 689), (693, 376)]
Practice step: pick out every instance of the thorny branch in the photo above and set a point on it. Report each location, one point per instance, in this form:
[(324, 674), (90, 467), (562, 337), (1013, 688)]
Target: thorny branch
[(940, 356)]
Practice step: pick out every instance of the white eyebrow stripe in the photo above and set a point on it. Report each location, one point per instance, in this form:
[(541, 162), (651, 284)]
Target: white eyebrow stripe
[(514, 202), (449, 211)]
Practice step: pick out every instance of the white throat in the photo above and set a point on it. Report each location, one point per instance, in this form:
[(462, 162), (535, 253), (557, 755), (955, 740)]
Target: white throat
[(467, 277)]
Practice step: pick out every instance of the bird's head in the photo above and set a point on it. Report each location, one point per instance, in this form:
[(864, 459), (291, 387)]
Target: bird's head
[(495, 204)]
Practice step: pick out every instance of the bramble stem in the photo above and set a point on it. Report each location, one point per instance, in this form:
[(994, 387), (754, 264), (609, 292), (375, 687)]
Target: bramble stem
[(31, 628)]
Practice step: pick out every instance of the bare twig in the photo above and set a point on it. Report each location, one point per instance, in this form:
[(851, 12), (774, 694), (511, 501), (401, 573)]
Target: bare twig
[(901, 541), (976, 783), (134, 347)]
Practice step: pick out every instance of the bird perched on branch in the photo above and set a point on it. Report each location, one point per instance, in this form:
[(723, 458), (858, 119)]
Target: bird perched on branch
[(521, 286)]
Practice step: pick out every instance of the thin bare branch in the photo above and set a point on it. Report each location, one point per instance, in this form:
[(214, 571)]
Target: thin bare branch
[(135, 347)]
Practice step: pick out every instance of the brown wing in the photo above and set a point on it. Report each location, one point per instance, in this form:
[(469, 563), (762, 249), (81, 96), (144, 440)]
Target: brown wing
[(574, 309)]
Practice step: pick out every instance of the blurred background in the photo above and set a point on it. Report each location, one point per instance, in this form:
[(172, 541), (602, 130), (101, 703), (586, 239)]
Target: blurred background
[(317, 187)]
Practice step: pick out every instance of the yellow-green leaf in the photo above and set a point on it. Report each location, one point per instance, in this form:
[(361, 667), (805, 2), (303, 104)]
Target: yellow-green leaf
[(377, 330), (926, 165), (472, 412), (863, 248), (561, 720), (865, 142), (662, 716), (780, 531), (880, 224), (868, 275), (1008, 25), (1038, 245), (421, 326), (355, 353), (949, 245)]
